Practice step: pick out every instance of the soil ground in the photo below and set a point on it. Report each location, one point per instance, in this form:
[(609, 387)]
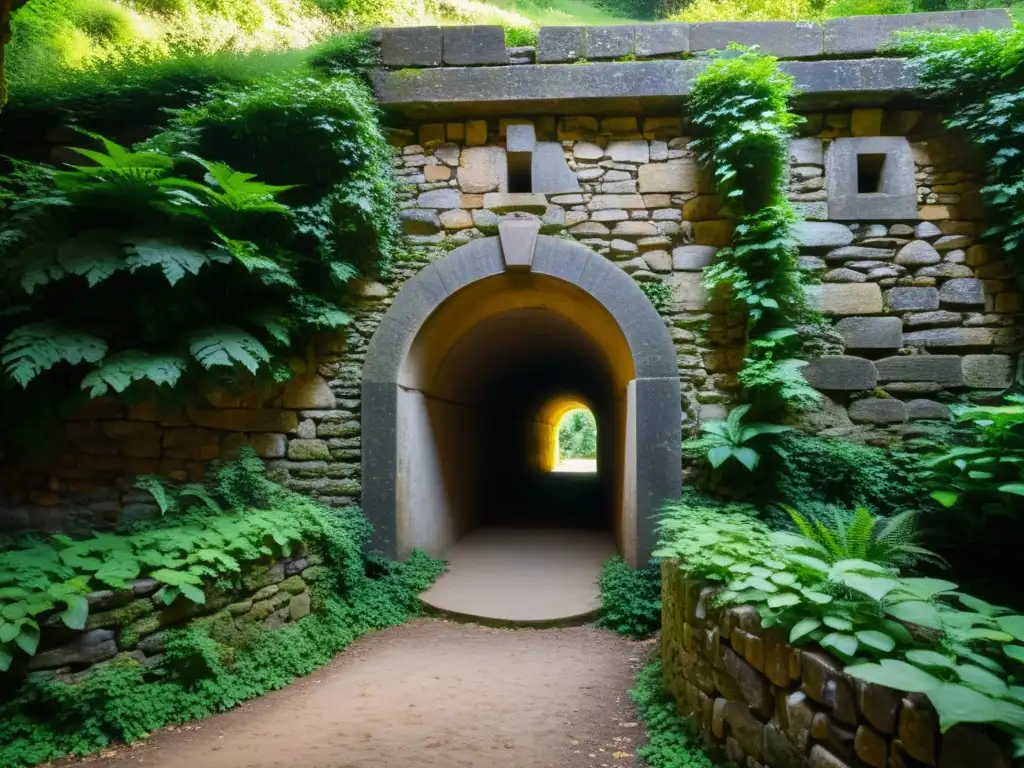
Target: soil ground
[(430, 694)]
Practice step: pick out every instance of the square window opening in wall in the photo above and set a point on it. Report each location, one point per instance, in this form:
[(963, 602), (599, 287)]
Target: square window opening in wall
[(870, 178), (870, 170)]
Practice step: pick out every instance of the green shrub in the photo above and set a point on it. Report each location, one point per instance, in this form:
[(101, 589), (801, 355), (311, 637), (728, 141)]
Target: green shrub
[(577, 435), (199, 676), (516, 37), (672, 742), (630, 598), (961, 649), (657, 292), (725, 439)]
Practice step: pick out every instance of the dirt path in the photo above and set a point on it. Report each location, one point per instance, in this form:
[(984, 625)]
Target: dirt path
[(430, 694)]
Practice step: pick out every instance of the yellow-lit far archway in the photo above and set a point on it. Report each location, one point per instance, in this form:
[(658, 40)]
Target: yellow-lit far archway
[(548, 423)]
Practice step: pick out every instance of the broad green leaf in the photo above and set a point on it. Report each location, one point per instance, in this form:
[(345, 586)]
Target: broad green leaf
[(228, 346), (916, 612), (821, 598), (879, 641), (875, 587), (77, 611), (925, 658), (1013, 625), (980, 633), (719, 455), (118, 371), (813, 563), (1014, 488), (5, 660), (982, 679), (960, 704), (838, 622), (893, 673), (784, 600), (946, 498), (1015, 652), (31, 349), (926, 589), (748, 457), (94, 255), (193, 593), (116, 573), (783, 578), (174, 259), (803, 628), (840, 642), (979, 605), (9, 631), (28, 638)]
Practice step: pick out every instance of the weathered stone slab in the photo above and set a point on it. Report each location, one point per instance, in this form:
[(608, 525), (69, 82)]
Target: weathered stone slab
[(917, 254), (871, 332), (953, 337), (611, 42), (864, 35), (568, 89), (963, 291), (629, 202), (942, 369), (558, 44), (902, 299), (475, 45), (443, 199), (841, 299), (551, 174), (894, 195), (988, 371), (813, 234), (633, 151), (481, 169), (840, 373), (693, 258), (786, 39), (662, 39), (524, 202), (922, 409), (411, 46), (688, 291), (806, 152), (878, 410), (859, 252), (87, 648)]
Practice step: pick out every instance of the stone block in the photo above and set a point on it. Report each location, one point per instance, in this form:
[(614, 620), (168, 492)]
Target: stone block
[(561, 44), (417, 221), (965, 745), (611, 42), (456, 219), (943, 369), (693, 258), (745, 728), (663, 39), (864, 35), (779, 751), (963, 291), (299, 606), (474, 45), (688, 292), (878, 410), (507, 202), (481, 169), (840, 373), (953, 337), (924, 410), (411, 46), (713, 233), (442, 199), (988, 371), (806, 152), (550, 173), (785, 39), (871, 178), (627, 202), (866, 122), (90, 647), (240, 420), (918, 728), (871, 747), (308, 392), (903, 299), (917, 254), (814, 234), (871, 332), (631, 151), (680, 175), (308, 450), (839, 299), (476, 133)]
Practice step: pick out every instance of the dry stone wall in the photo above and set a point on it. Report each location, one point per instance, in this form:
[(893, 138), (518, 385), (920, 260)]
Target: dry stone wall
[(130, 626), (923, 310), (768, 704)]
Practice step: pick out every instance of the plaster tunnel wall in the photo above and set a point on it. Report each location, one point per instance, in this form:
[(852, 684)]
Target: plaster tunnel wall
[(467, 375)]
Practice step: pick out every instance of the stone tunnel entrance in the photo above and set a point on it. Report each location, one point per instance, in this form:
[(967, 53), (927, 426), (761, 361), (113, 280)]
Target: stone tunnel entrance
[(468, 375)]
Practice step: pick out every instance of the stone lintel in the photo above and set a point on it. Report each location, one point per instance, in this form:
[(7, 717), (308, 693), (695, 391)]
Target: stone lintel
[(634, 87)]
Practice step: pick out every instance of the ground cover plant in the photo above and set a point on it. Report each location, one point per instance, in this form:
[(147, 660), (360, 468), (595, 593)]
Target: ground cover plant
[(671, 741), (207, 536), (844, 584), (630, 597)]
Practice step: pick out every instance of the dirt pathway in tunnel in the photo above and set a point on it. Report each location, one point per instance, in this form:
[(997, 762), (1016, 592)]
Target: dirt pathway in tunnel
[(430, 694)]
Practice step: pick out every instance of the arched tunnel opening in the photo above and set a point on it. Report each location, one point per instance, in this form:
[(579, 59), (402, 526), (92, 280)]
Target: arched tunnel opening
[(483, 389)]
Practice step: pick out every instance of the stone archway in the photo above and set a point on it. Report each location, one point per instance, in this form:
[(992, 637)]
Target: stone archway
[(464, 361)]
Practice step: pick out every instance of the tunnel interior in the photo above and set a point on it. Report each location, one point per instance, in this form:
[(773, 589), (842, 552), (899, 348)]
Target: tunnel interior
[(480, 397)]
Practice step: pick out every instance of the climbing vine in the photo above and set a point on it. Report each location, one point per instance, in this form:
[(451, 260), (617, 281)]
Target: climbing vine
[(740, 106), (979, 77)]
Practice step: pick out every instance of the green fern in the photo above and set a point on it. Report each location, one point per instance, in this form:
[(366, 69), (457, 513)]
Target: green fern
[(173, 258), (119, 371), (31, 349), (318, 312), (228, 346)]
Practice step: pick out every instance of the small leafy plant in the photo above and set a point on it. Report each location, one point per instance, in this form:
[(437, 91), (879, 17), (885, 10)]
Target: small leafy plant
[(630, 598), (909, 633), (730, 438)]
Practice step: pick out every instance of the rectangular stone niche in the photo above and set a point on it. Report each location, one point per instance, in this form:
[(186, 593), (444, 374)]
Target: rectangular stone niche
[(871, 178)]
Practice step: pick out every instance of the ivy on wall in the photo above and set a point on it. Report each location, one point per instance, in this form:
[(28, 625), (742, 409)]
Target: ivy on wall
[(979, 77), (740, 107)]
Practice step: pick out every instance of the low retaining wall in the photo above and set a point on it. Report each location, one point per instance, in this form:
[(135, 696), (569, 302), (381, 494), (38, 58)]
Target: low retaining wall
[(130, 625), (777, 706)]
